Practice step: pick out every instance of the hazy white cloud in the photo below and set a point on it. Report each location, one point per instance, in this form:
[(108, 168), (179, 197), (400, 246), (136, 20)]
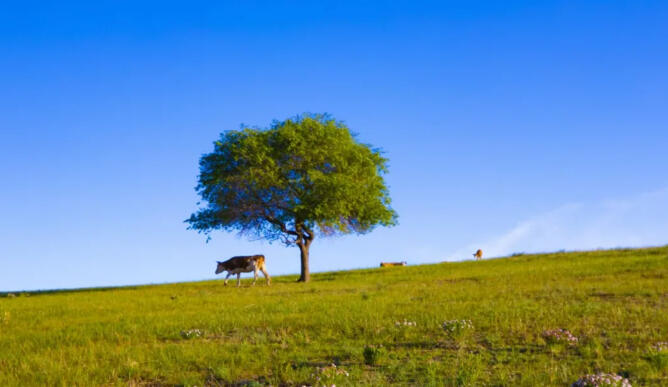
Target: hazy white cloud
[(641, 220)]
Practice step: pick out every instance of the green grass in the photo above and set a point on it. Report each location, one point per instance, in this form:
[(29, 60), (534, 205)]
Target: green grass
[(614, 302)]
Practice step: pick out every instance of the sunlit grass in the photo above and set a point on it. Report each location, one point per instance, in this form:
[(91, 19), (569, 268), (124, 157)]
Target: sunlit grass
[(614, 302)]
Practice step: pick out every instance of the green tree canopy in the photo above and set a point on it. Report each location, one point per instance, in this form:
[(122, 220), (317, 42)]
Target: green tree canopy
[(299, 177)]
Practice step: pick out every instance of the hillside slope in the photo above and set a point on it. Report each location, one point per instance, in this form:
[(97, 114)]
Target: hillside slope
[(614, 302)]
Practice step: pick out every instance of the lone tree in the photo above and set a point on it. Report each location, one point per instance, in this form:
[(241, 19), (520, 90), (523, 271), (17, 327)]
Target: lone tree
[(300, 176)]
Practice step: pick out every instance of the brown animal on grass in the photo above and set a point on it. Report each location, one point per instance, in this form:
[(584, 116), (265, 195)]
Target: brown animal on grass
[(478, 254), (388, 264), (243, 264)]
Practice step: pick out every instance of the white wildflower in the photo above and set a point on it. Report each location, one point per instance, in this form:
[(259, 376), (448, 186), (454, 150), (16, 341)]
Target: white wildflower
[(191, 333), (560, 335), (454, 326), (323, 375), (661, 346), (602, 379)]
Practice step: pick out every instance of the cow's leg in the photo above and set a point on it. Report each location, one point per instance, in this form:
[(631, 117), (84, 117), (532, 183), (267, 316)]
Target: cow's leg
[(255, 278), (266, 275), (228, 276), (238, 279)]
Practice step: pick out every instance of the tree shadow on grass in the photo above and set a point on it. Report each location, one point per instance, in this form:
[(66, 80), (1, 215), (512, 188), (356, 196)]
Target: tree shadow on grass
[(214, 381), (451, 345), (429, 345), (456, 280), (526, 348)]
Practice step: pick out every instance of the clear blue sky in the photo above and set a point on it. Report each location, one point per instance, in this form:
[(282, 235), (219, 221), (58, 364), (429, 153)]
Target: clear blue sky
[(510, 126)]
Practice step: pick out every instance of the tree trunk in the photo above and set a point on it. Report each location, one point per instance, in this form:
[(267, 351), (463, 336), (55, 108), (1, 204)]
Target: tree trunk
[(306, 274)]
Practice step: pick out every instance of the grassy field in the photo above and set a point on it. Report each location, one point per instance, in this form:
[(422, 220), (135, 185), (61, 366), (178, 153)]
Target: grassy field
[(614, 302)]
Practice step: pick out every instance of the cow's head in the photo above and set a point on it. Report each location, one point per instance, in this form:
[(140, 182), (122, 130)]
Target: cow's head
[(220, 268)]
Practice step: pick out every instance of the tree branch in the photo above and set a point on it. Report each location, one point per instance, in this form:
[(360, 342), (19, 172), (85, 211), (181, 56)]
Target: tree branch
[(309, 234), (280, 225)]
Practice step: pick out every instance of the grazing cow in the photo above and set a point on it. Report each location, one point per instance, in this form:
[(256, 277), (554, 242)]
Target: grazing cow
[(478, 254), (388, 264), (243, 264)]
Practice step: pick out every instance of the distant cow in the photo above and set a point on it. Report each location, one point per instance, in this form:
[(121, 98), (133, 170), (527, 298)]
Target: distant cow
[(388, 264), (243, 264), (478, 254)]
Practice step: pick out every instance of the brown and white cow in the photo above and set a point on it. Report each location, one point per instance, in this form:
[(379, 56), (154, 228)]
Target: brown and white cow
[(478, 254), (388, 264), (243, 264)]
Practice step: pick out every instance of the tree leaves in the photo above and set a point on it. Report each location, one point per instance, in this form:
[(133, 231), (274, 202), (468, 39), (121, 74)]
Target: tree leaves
[(301, 174)]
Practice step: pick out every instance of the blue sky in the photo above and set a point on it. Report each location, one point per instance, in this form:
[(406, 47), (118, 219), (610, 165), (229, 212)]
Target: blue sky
[(510, 126)]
